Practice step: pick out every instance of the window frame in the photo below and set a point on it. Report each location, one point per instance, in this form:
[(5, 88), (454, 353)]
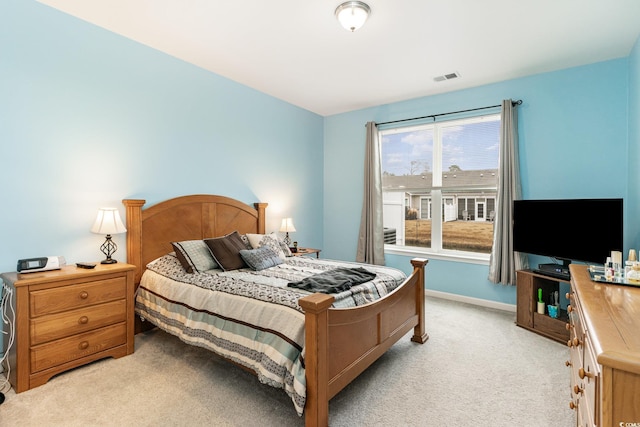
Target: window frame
[(436, 194)]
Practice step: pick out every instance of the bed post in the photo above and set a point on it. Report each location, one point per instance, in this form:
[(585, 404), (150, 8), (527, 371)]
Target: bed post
[(134, 234), (419, 332), (261, 207), (316, 410)]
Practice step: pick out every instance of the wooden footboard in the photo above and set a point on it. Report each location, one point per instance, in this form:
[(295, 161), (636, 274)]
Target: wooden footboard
[(341, 343)]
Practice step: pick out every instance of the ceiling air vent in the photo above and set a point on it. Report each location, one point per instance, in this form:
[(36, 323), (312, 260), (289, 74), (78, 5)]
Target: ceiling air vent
[(449, 76)]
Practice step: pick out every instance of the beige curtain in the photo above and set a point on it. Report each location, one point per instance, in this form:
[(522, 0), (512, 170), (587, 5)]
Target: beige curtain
[(371, 238), (504, 261)]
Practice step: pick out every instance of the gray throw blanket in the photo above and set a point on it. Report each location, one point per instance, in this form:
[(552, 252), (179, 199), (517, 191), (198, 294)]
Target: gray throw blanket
[(334, 281)]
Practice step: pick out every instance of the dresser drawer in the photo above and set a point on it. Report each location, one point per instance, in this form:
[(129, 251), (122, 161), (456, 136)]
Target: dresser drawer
[(70, 349), (589, 377), (60, 325), (77, 295), (575, 318), (583, 416)]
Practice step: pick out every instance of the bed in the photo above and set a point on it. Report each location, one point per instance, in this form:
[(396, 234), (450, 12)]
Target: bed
[(338, 343)]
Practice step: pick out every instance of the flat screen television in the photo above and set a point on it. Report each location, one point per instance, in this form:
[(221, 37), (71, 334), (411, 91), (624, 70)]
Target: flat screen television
[(568, 230)]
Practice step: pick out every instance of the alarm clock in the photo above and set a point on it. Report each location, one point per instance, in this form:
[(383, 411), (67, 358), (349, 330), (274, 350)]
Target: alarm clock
[(32, 265)]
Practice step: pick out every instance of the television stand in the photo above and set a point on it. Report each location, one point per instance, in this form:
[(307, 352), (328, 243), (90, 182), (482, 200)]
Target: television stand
[(527, 284)]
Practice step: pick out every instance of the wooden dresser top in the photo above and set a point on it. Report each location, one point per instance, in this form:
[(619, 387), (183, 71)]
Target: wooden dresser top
[(65, 273), (612, 316)]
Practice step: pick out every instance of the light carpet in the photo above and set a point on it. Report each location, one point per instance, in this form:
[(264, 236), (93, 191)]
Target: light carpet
[(477, 369)]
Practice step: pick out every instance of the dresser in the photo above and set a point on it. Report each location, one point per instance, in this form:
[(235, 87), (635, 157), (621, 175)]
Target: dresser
[(66, 318), (604, 326)]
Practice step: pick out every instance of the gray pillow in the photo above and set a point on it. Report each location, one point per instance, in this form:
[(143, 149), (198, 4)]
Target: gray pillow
[(260, 258), (194, 255)]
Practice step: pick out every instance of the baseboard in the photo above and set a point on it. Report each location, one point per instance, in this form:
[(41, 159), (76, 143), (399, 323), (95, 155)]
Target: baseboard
[(471, 300)]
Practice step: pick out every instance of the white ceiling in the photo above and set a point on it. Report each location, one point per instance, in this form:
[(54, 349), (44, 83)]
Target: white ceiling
[(296, 51)]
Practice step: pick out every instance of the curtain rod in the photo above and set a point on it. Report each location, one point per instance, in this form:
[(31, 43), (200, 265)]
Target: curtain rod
[(433, 116)]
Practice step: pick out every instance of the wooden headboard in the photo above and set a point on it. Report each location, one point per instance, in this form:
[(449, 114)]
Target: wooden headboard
[(150, 231)]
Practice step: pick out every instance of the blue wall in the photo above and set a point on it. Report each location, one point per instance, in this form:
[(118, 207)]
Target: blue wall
[(88, 118), (574, 142)]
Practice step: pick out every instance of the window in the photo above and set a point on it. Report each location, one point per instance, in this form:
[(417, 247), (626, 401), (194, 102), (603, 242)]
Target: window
[(439, 183)]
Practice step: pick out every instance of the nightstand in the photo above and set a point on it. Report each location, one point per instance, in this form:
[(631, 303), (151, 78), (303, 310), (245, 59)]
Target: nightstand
[(67, 318), (307, 251)]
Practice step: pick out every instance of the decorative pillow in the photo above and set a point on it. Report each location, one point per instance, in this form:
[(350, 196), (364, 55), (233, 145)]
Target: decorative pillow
[(270, 240), (285, 248), (226, 251), (261, 258), (194, 255), (246, 241)]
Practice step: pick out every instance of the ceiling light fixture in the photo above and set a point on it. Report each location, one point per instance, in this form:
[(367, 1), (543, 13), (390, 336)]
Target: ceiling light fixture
[(352, 14)]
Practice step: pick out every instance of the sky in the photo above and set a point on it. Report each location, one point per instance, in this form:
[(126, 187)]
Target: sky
[(469, 145)]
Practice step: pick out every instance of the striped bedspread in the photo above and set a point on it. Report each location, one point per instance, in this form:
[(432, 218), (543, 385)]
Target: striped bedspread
[(250, 317)]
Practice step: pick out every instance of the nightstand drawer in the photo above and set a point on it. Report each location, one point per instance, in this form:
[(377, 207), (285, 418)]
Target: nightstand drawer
[(60, 325), (76, 347), (63, 298)]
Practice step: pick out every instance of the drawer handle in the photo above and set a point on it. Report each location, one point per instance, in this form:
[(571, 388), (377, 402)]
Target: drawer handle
[(568, 295), (568, 326), (582, 373), (84, 345), (567, 363), (577, 389), (576, 342), (84, 295), (572, 405), (83, 320), (569, 309)]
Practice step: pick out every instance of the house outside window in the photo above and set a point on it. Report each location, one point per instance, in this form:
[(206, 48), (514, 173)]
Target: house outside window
[(439, 184)]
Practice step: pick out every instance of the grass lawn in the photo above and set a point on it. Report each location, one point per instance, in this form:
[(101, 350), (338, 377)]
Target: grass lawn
[(472, 236)]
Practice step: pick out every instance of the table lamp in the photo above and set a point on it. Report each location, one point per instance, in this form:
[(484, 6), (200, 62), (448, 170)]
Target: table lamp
[(108, 222), (286, 227)]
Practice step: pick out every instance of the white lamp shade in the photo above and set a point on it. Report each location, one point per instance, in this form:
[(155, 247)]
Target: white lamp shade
[(287, 225), (108, 222), (352, 14)]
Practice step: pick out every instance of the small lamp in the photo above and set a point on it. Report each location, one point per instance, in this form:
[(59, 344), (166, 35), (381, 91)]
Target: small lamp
[(286, 227), (108, 222)]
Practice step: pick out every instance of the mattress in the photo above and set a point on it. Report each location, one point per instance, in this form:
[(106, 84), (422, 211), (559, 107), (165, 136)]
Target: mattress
[(249, 317)]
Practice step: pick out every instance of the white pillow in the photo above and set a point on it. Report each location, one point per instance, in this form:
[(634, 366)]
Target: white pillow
[(271, 240)]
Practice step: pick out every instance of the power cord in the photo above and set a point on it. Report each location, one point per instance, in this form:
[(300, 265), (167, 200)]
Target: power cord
[(8, 318)]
